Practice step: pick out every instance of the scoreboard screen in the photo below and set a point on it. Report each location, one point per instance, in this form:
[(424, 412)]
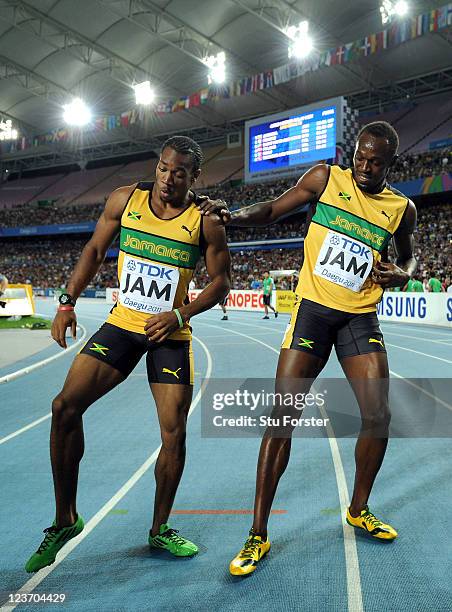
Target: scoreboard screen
[(282, 143)]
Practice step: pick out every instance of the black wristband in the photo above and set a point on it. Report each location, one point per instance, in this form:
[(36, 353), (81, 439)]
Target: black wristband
[(66, 300)]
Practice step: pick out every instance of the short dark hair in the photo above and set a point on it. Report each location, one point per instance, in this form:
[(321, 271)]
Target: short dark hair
[(185, 146), (382, 129)]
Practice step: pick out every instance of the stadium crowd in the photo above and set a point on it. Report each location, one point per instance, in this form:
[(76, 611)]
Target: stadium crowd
[(22, 216), (433, 244), (421, 165), (408, 166), (47, 263)]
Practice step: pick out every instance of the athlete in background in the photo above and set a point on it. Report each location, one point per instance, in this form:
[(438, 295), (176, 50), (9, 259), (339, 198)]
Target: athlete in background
[(162, 235), (222, 305), (267, 286), (353, 215)]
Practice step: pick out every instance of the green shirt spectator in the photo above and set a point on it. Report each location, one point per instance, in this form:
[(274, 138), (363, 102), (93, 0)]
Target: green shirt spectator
[(435, 285), (415, 285)]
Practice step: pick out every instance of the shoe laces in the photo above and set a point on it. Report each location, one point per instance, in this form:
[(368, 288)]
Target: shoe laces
[(51, 533), (250, 548), (372, 519), (171, 534)]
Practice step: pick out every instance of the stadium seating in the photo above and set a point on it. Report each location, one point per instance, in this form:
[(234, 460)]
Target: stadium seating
[(72, 187), (221, 165), (18, 193), (121, 175)]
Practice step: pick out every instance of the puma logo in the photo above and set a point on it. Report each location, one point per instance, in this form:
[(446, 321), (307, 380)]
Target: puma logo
[(376, 341), (184, 227), (168, 371), (2, 304), (386, 215)]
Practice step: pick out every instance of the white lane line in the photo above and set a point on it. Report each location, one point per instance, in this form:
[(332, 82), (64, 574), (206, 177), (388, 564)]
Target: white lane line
[(232, 331), (354, 591), (404, 348), (428, 329), (424, 339), (31, 584), (277, 330), (18, 373), (232, 343), (430, 395), (25, 428)]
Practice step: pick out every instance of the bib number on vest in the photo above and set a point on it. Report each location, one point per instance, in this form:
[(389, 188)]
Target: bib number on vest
[(344, 261), (148, 287)]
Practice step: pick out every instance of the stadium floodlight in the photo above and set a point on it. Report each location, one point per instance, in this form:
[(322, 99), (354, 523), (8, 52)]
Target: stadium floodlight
[(300, 43), (76, 113), (389, 9), (217, 67), (7, 132), (144, 93), (401, 8)]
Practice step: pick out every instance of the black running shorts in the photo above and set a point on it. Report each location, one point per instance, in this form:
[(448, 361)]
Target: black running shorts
[(315, 329), (267, 299), (169, 362)]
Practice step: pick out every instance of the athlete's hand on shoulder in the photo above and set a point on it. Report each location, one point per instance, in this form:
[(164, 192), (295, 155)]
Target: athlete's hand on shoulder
[(389, 275), (210, 207), (64, 319), (160, 326)]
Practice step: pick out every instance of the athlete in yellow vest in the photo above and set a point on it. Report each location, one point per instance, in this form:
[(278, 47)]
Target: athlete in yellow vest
[(161, 237), (353, 215)]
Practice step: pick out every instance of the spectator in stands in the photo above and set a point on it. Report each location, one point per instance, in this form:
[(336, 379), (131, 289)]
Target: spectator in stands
[(434, 284), (408, 166), (414, 285), (420, 165), (46, 262)]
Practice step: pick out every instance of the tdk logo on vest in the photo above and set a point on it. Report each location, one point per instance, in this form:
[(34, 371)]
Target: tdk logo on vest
[(155, 271), (357, 248), (344, 261), (147, 286)]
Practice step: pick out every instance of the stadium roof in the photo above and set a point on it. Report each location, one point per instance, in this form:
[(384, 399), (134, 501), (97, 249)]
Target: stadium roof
[(51, 50)]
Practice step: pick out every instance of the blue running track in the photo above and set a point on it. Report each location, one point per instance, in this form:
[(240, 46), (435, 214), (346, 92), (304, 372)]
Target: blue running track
[(315, 564)]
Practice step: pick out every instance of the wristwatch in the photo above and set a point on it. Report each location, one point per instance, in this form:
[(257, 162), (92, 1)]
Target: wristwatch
[(65, 299)]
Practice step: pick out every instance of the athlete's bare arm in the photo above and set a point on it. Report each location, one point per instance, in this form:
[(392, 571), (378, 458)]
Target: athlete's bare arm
[(218, 264), (91, 259), (309, 186), (397, 274)]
